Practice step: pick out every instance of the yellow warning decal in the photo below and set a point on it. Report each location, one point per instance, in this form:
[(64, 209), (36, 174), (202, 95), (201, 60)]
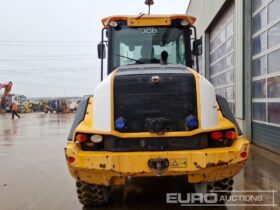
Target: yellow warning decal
[(178, 163)]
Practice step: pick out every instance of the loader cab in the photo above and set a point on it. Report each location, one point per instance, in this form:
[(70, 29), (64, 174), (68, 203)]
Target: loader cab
[(148, 40)]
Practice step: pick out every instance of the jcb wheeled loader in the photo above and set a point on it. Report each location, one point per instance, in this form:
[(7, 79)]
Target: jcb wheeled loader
[(153, 115)]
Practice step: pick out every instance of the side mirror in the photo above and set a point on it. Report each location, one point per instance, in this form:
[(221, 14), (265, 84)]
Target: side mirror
[(101, 50), (197, 47)]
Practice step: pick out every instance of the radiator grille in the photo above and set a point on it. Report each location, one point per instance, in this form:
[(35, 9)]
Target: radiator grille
[(137, 99)]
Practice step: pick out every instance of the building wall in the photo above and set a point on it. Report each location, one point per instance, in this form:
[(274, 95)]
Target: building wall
[(256, 64), (209, 15), (204, 11)]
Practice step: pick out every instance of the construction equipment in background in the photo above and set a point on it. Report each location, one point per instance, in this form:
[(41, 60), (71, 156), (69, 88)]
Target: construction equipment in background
[(71, 106), (36, 106), (21, 100), (7, 90), (48, 106), (60, 106), (26, 107)]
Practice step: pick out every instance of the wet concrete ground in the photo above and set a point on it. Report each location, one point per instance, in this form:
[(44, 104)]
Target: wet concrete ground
[(33, 173)]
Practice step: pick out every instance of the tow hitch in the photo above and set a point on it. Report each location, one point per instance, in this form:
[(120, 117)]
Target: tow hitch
[(158, 166)]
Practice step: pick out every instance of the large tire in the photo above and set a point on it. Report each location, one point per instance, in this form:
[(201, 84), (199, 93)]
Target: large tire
[(92, 195)]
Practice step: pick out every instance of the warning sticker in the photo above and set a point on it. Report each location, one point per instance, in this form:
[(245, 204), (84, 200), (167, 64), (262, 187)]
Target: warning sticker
[(178, 163)]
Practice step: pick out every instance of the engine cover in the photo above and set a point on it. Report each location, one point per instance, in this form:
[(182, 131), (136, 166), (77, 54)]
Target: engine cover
[(154, 98)]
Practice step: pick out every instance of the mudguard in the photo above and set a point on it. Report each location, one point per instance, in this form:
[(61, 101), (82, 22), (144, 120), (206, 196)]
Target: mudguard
[(79, 117), (227, 113)]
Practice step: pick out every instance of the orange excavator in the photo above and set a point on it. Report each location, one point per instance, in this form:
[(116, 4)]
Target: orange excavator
[(7, 90)]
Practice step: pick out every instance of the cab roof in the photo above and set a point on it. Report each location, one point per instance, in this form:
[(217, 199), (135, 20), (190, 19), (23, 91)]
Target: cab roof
[(148, 20)]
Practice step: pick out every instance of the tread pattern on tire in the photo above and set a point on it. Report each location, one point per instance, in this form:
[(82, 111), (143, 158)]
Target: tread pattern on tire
[(91, 194), (223, 185)]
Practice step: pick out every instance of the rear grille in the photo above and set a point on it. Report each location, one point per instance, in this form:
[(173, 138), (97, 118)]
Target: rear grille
[(138, 100), (115, 144)]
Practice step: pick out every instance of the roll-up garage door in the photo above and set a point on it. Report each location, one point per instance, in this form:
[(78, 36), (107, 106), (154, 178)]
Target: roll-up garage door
[(266, 74), (222, 62)]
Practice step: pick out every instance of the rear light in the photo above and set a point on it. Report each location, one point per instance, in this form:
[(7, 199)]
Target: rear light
[(120, 124), (82, 138), (96, 138), (71, 159), (230, 135), (217, 135), (191, 122), (243, 154), (222, 138)]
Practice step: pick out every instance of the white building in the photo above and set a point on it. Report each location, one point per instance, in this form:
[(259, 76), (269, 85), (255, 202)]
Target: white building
[(241, 57)]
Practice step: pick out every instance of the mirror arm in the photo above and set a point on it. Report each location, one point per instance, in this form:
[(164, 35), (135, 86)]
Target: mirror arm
[(196, 56), (102, 52)]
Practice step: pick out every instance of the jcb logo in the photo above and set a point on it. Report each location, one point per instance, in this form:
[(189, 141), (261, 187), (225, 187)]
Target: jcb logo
[(150, 31)]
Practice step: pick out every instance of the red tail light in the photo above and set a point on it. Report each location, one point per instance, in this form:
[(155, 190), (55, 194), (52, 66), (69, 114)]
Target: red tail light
[(71, 159), (230, 135), (82, 138), (243, 154), (217, 135)]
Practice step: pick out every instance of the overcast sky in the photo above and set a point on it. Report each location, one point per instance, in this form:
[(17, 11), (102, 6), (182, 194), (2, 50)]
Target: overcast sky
[(48, 47)]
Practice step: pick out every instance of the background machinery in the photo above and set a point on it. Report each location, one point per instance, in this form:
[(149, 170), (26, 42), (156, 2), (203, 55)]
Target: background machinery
[(60, 106), (7, 89)]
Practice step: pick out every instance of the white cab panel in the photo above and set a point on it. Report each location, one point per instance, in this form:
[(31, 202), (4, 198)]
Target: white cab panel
[(102, 105), (208, 104)]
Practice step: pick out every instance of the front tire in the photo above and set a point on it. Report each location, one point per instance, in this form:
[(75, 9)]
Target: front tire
[(93, 195)]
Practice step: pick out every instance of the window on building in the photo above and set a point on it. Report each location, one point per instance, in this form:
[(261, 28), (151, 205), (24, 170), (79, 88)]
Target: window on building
[(266, 61), (256, 4)]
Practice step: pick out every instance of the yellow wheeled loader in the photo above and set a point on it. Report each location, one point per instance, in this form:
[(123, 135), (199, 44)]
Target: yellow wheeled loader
[(153, 115)]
